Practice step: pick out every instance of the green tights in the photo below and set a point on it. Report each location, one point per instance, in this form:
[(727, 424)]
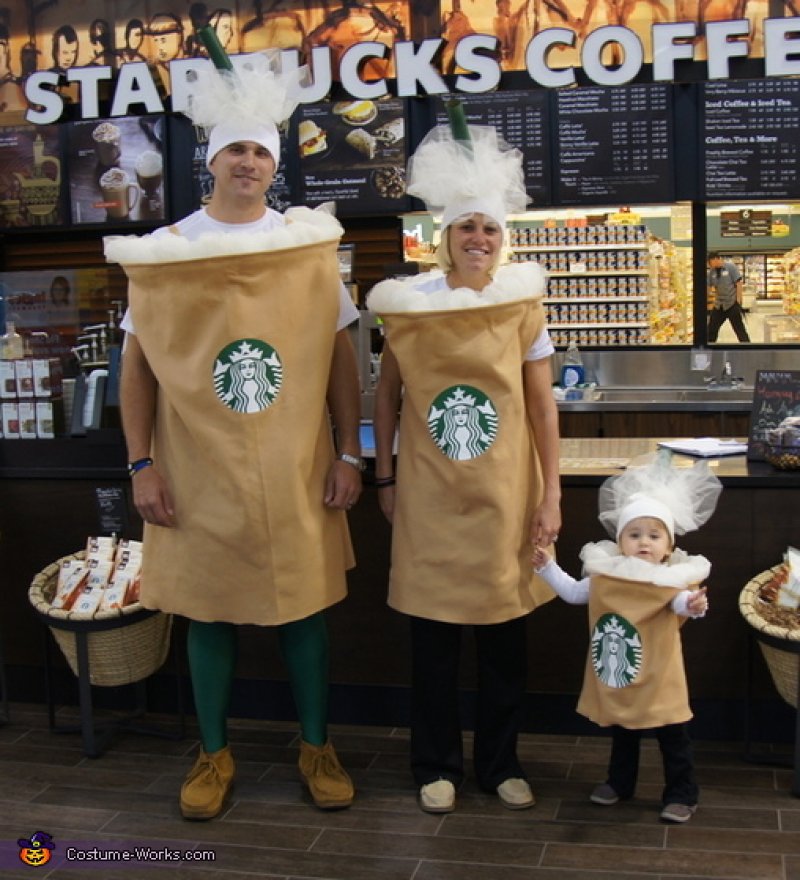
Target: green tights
[(212, 649)]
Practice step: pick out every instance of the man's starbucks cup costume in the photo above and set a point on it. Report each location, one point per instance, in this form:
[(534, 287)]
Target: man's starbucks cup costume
[(468, 478), (239, 331)]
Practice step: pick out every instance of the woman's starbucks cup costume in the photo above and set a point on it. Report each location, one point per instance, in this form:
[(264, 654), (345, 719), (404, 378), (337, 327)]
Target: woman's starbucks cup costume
[(227, 324), (634, 673), (467, 475)]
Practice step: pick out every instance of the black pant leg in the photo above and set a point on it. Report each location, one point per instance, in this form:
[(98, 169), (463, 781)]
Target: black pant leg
[(735, 314), (502, 667), (716, 318), (436, 748), (680, 784), (623, 766)]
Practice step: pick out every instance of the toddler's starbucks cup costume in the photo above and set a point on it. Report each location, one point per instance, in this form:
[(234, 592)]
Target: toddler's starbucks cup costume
[(239, 332), (635, 676), (467, 475)]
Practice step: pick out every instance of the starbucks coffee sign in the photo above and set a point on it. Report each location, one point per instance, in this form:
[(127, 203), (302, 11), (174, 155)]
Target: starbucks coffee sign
[(417, 73)]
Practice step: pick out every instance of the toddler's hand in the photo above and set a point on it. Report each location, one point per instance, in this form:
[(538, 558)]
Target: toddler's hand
[(540, 557), (698, 602)]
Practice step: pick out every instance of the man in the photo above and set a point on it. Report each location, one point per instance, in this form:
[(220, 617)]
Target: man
[(245, 537), (725, 286)]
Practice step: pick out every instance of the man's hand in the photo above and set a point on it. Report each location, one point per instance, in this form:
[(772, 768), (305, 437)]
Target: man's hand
[(152, 498)]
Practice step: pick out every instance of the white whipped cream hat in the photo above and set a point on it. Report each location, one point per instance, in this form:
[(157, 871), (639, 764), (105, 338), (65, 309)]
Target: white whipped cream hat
[(454, 179), (246, 104), (683, 498)]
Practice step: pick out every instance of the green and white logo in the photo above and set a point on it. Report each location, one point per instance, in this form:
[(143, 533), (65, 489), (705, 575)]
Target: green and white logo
[(248, 375), (463, 422), (616, 651)]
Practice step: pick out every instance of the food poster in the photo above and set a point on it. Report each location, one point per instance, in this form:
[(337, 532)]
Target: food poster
[(116, 170), (354, 153), (31, 176)]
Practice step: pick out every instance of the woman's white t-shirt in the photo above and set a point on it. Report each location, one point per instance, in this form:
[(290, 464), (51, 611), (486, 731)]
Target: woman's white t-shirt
[(542, 346)]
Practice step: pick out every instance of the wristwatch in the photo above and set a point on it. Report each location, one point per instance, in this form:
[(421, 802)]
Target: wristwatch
[(357, 463)]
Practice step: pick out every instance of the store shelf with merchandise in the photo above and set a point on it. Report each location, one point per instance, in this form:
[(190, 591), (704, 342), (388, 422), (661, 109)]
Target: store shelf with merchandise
[(599, 287)]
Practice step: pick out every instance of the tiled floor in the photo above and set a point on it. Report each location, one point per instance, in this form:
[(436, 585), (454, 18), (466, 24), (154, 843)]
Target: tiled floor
[(748, 825)]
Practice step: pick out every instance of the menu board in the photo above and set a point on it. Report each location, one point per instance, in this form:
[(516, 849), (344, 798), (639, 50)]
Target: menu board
[(614, 145), (523, 121), (749, 134), (354, 153), (776, 396), (116, 170)]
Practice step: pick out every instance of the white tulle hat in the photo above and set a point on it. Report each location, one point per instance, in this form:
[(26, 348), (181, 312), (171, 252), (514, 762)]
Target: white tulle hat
[(455, 179), (248, 104), (683, 498)]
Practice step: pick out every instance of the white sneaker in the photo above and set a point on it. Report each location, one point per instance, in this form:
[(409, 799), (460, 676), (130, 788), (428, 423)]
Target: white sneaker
[(516, 794), (438, 797)]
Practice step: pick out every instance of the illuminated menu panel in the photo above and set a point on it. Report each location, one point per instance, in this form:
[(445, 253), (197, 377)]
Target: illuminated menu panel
[(614, 145), (750, 141), (354, 153), (523, 121)]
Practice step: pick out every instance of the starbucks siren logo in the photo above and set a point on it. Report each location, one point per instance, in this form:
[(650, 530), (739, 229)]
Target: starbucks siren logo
[(616, 651), (463, 422), (248, 375)]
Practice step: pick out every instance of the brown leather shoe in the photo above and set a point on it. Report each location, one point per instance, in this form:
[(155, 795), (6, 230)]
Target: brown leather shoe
[(207, 785), (329, 785)]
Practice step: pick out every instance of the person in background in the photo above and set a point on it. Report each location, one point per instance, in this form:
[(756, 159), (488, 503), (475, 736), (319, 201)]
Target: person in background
[(639, 588), (263, 541), (467, 353), (59, 291), (725, 298), (65, 49)]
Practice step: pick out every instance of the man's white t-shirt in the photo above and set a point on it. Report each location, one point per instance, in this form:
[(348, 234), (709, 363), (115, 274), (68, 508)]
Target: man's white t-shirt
[(200, 223)]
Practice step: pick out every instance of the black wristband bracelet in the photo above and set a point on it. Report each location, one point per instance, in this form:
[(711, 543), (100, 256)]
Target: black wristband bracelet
[(140, 464), (384, 482)]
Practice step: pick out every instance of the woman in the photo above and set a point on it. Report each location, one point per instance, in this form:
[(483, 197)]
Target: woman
[(477, 470)]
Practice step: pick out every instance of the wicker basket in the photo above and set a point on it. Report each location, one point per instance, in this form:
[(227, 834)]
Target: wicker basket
[(783, 665), (131, 645), (785, 458)]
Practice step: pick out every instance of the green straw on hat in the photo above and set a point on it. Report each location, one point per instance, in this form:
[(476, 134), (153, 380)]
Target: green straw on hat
[(458, 122), (208, 37)]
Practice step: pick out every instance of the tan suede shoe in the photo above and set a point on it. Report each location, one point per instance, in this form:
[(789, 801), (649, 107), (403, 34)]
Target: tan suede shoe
[(329, 785), (207, 785)]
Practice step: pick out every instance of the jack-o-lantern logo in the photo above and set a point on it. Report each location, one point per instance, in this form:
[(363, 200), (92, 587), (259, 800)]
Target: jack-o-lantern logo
[(36, 851)]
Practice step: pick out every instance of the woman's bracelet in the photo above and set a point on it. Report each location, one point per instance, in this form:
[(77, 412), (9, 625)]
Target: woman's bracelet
[(384, 482)]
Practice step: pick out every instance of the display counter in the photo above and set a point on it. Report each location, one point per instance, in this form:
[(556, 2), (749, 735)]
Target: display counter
[(46, 515)]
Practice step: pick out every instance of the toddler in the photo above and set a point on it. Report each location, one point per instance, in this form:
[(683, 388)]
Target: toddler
[(640, 589)]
